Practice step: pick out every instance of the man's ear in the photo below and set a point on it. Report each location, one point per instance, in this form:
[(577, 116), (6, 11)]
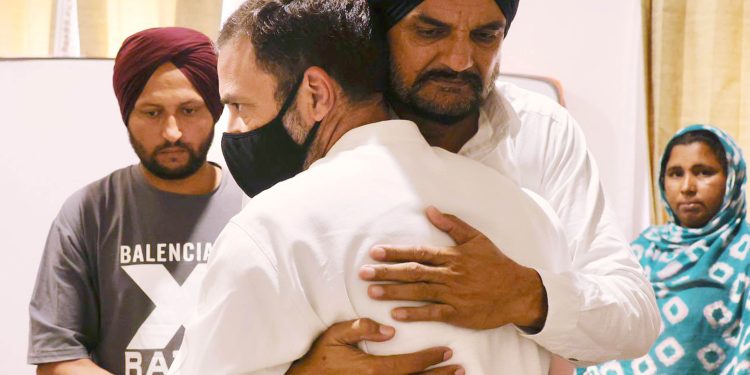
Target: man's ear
[(320, 93)]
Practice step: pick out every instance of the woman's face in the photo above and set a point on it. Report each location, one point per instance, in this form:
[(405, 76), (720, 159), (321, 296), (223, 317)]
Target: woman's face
[(694, 183)]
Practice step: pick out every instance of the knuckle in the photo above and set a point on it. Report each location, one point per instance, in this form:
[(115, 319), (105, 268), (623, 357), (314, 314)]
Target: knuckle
[(437, 314), (425, 290), (366, 325), (421, 253), (414, 271), (382, 272), (442, 313)]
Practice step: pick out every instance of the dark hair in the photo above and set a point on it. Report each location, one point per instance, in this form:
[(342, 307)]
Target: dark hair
[(339, 36), (703, 136)]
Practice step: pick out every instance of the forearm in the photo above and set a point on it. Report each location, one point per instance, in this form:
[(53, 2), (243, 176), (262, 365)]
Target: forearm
[(75, 367)]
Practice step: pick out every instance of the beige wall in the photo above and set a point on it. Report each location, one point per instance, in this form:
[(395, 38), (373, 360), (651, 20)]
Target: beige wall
[(25, 27)]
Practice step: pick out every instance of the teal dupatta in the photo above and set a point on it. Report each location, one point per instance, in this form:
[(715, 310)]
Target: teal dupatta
[(701, 278)]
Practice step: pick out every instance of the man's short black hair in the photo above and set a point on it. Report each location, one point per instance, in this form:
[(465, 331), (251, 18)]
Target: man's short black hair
[(339, 36)]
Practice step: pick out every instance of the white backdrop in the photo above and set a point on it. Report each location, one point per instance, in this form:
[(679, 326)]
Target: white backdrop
[(62, 130), (595, 49)]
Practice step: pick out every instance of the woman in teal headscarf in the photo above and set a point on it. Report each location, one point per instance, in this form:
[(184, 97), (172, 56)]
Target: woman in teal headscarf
[(698, 263)]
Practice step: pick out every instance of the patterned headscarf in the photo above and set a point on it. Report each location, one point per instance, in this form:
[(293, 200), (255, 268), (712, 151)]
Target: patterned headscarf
[(143, 52), (700, 277)]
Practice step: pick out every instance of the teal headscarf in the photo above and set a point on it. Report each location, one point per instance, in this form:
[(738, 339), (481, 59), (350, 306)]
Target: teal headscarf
[(701, 278)]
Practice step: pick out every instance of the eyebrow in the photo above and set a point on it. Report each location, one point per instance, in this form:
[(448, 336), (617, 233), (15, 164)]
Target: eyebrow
[(700, 165), (228, 99), (494, 25), (431, 21)]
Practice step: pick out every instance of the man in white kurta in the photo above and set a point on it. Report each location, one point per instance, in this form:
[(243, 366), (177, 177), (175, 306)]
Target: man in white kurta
[(604, 294), (285, 268), (599, 308)]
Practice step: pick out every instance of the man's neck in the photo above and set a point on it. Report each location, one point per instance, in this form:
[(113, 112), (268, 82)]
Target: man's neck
[(342, 121), (451, 137), (205, 180)]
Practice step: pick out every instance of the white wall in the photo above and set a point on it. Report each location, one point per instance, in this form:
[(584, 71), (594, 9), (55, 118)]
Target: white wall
[(595, 49)]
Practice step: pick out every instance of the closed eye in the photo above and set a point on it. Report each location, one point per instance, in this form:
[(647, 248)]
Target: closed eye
[(486, 36), (431, 32), (675, 172)]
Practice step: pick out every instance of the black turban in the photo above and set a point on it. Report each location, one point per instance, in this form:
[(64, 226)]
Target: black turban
[(393, 11), (142, 53)]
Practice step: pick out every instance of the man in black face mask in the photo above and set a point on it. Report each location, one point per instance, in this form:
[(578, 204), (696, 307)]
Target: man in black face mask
[(331, 175)]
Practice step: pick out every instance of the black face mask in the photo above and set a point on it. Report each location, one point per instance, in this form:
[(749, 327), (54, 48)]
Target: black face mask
[(263, 157)]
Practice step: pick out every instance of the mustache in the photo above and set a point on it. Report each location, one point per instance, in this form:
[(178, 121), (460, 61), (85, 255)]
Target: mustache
[(471, 78), (166, 145)]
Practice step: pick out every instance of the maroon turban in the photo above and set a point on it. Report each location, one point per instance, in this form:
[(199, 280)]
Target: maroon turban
[(142, 53)]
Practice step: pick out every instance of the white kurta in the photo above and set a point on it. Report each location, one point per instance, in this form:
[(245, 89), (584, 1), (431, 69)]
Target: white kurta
[(285, 268), (604, 307)]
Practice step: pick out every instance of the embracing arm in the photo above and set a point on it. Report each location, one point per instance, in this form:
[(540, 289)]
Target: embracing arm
[(336, 352), (604, 307), (601, 307)]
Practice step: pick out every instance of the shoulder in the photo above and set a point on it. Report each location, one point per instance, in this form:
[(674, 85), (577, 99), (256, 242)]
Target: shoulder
[(541, 118), (95, 196), (544, 122), (286, 206), (530, 103), (227, 187)]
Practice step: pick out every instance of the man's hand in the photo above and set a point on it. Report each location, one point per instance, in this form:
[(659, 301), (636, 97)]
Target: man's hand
[(472, 285), (336, 352)]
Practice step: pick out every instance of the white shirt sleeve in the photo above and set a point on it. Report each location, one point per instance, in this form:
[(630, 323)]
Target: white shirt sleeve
[(604, 308), (250, 318)]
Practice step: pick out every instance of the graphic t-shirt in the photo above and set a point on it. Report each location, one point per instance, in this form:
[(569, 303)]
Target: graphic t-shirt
[(121, 270)]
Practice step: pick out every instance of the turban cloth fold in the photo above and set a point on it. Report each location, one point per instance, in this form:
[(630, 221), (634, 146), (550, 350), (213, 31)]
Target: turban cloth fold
[(142, 53), (393, 11)]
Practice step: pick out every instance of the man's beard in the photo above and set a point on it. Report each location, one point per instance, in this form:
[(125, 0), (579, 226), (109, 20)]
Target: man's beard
[(194, 163), (293, 124), (428, 108)]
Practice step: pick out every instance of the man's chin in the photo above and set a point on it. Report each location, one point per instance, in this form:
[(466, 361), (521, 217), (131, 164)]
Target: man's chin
[(172, 173), (443, 115)]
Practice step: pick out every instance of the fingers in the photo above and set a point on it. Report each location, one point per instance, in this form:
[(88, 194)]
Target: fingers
[(447, 370), (353, 331), (405, 272), (456, 228), (421, 292), (438, 219), (426, 313), (420, 254), (413, 362)]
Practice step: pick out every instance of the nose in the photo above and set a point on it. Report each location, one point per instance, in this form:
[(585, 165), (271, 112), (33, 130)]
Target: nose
[(688, 185), (235, 124), (459, 55), (171, 130)]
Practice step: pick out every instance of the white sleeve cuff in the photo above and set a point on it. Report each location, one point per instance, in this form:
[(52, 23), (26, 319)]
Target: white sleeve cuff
[(563, 311)]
